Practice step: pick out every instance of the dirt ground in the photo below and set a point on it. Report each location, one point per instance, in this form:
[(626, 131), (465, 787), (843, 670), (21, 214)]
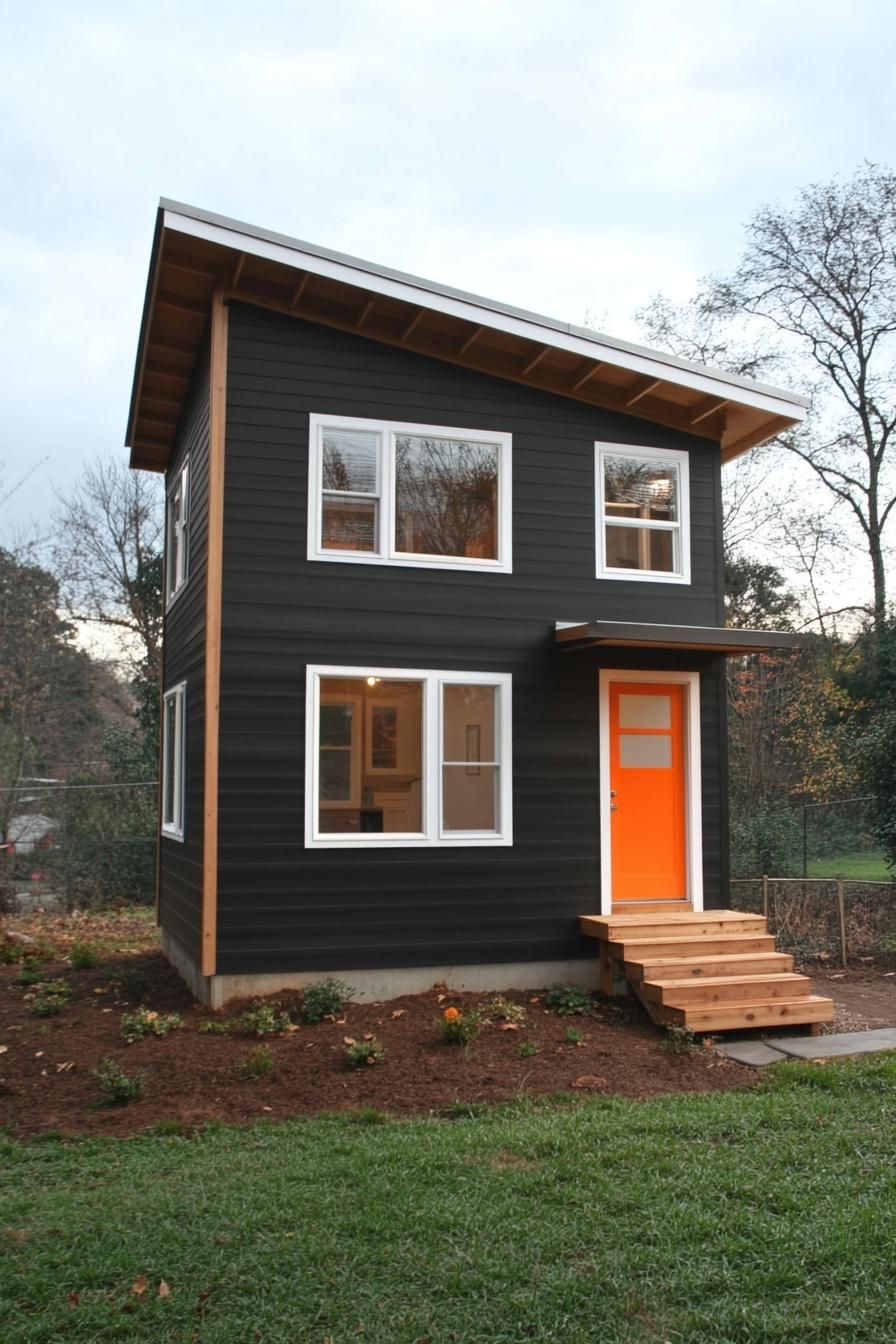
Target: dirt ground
[(193, 1078)]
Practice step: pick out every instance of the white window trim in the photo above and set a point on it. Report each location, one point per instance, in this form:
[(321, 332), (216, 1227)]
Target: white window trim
[(683, 526), (433, 834), (693, 779), (182, 569), (175, 759), (388, 555)]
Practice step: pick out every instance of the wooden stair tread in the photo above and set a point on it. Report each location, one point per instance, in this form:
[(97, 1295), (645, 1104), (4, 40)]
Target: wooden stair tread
[(728, 990), (659, 924), (639, 949), (664, 969), (732, 1017)]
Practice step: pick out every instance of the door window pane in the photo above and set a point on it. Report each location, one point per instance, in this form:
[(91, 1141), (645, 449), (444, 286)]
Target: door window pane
[(645, 711), (639, 751), (446, 497), (469, 800)]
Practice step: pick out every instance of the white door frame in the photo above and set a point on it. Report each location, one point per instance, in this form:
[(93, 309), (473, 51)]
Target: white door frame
[(692, 771)]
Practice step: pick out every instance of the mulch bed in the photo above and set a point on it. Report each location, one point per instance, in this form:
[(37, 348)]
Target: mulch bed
[(193, 1079)]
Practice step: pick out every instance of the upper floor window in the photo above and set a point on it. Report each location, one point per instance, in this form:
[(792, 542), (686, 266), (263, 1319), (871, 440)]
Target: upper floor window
[(384, 492), (176, 533), (643, 527)]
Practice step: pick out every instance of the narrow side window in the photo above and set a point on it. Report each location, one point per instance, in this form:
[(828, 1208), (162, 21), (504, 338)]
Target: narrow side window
[(173, 762), (176, 533)]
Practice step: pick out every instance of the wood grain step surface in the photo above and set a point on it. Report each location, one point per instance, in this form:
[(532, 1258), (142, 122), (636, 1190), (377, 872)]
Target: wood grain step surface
[(727, 989), (663, 969), (730, 1017), (731, 944)]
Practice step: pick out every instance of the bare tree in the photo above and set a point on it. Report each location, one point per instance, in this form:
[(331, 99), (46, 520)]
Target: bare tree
[(822, 276), (108, 555)]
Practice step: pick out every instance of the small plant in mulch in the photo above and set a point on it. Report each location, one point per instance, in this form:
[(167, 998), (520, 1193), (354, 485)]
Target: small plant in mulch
[(501, 1011), (82, 957), (145, 1022), (526, 1049), (13, 950), (369, 1051), (214, 1026), (678, 1040), (460, 1028), (326, 999), (115, 1086), (48, 998), (263, 1018), (256, 1064), (31, 972), (573, 1037), (568, 1000)]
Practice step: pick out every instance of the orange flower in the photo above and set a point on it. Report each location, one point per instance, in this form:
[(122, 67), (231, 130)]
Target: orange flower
[(451, 1014)]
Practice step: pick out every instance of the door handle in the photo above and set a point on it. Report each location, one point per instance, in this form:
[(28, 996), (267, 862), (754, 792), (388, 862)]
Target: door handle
[(614, 807)]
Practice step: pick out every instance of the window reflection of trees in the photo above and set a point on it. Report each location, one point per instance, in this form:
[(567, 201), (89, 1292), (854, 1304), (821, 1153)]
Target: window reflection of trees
[(636, 489), (446, 497)]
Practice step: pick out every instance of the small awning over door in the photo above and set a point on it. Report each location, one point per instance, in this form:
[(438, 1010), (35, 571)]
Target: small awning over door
[(694, 638)]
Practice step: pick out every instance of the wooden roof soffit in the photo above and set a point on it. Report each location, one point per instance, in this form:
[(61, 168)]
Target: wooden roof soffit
[(189, 268), (682, 638)]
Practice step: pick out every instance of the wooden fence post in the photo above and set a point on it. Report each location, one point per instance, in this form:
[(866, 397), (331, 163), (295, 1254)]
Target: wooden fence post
[(765, 895), (841, 911)]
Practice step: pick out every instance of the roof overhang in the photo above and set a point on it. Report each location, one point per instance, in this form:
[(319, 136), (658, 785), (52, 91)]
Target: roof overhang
[(196, 255), (688, 638)]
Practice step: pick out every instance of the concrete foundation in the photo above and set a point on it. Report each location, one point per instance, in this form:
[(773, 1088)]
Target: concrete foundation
[(379, 985)]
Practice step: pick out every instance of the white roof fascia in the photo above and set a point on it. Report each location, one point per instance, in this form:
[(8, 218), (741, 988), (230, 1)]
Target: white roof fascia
[(416, 292)]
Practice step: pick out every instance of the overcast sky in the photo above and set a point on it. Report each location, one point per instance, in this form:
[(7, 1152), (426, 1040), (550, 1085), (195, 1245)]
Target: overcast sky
[(570, 156)]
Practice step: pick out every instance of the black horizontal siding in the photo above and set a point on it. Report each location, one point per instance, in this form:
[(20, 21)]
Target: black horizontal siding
[(180, 868), (282, 906)]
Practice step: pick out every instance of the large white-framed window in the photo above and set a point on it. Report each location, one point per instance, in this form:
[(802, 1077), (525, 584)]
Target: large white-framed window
[(388, 492), (176, 518), (407, 757), (643, 513), (173, 761)]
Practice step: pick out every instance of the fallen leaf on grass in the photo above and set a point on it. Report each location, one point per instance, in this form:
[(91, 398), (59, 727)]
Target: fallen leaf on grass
[(74, 1300), (164, 1290), (140, 1285)]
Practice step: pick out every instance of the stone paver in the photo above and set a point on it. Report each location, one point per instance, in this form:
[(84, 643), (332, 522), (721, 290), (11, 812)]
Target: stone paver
[(841, 1044), (755, 1053), (758, 1053)]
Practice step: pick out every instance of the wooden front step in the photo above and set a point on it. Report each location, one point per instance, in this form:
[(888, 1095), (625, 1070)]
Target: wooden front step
[(741, 989), (714, 971), (643, 949), (618, 928), (734, 1017), (663, 969)]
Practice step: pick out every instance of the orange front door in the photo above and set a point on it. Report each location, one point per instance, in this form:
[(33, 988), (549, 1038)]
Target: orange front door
[(647, 788)]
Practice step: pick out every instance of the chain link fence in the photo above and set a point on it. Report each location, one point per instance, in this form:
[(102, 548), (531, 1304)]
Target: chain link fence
[(78, 846), (824, 919)]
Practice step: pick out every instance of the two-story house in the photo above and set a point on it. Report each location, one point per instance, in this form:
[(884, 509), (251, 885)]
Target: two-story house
[(444, 641)]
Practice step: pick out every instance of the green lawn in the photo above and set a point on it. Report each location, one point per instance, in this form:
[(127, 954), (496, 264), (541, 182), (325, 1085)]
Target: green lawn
[(757, 1216), (863, 865)]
